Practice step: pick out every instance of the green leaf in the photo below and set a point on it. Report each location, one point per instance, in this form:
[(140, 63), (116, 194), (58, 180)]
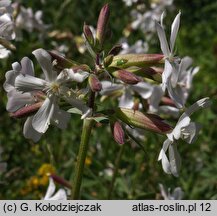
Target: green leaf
[(101, 119), (75, 111)]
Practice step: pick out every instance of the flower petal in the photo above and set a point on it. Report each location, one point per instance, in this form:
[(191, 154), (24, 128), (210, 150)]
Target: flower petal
[(168, 69), (29, 83), (163, 41), (29, 132), (143, 89), (45, 61), (79, 76), (27, 66), (108, 87), (176, 94), (16, 100), (155, 98), (190, 133), (10, 79), (126, 100), (174, 31), (50, 190), (175, 159), (60, 118), (60, 195), (176, 133), (41, 119)]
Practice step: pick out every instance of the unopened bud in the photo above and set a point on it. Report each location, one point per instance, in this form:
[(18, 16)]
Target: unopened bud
[(108, 60), (102, 24), (27, 110), (62, 62), (126, 77), (94, 83), (60, 180), (168, 101), (144, 121), (147, 72), (115, 49), (82, 67), (118, 133), (88, 34), (139, 60)]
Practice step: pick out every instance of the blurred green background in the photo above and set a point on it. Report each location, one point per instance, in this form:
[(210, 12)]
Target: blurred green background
[(140, 173)]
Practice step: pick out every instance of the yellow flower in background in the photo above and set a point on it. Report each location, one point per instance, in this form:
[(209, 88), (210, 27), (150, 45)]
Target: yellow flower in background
[(46, 169), (88, 161)]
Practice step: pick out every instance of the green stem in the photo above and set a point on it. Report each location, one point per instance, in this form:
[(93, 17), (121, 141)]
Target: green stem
[(117, 164), (86, 131)]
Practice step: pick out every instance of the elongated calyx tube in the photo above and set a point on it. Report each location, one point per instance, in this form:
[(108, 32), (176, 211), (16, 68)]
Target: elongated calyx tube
[(144, 121), (94, 83), (118, 133), (26, 111), (102, 24), (126, 77), (88, 34), (139, 60)]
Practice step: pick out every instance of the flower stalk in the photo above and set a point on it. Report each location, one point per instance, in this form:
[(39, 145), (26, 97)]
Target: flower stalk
[(85, 136)]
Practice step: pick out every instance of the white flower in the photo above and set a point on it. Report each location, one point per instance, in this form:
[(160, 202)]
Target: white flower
[(179, 84), (28, 20), (138, 47), (59, 195), (22, 87), (177, 194), (184, 129), (129, 2), (127, 97), (154, 103), (171, 63)]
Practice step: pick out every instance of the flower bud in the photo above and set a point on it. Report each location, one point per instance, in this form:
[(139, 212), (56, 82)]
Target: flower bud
[(108, 60), (118, 133), (60, 180), (102, 24), (168, 101), (88, 34), (144, 121), (126, 77), (115, 49), (147, 72), (62, 62), (82, 67), (94, 83), (26, 111), (139, 60)]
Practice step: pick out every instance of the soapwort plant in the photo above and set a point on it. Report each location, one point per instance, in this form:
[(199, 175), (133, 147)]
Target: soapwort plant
[(144, 86)]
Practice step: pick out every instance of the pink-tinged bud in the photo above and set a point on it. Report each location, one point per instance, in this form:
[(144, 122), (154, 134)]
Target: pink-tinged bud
[(60, 181), (144, 121), (94, 83), (139, 60), (118, 133), (147, 72), (127, 77), (167, 101), (88, 34), (82, 67), (27, 110), (115, 49), (102, 24), (108, 60), (62, 62)]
